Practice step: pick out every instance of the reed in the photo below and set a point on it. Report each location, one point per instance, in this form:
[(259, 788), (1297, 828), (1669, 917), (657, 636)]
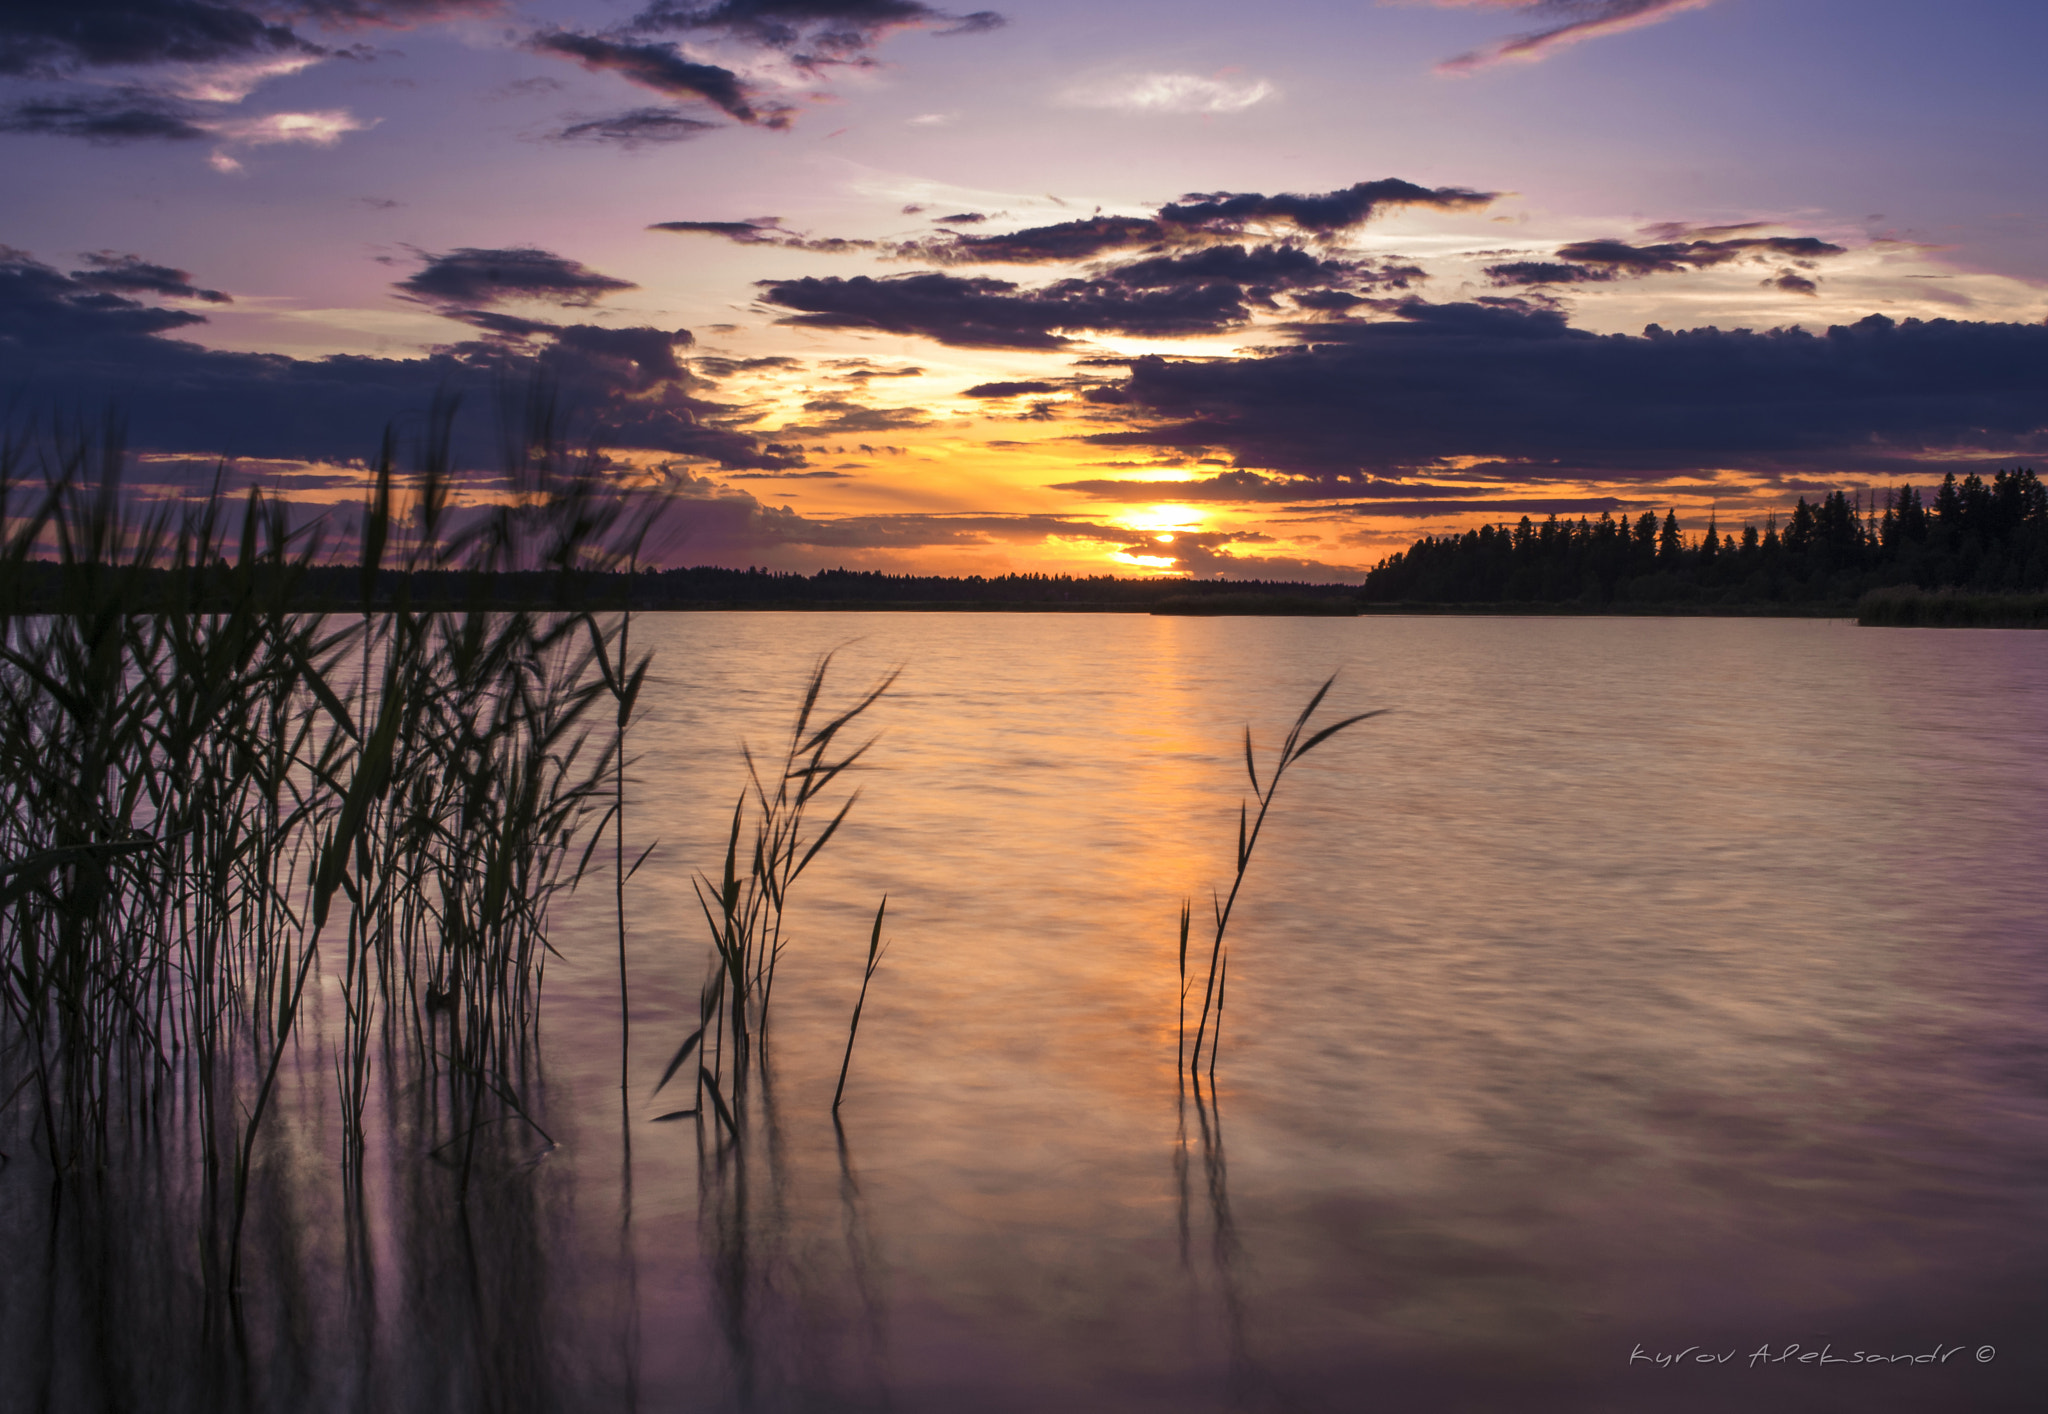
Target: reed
[(876, 948), (1249, 826), (209, 798), (768, 848)]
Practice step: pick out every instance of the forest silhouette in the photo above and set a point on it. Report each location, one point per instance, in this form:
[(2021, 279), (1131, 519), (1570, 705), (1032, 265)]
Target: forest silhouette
[(1971, 535)]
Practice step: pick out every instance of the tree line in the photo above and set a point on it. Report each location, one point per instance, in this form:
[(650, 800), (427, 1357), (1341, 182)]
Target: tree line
[(1968, 534)]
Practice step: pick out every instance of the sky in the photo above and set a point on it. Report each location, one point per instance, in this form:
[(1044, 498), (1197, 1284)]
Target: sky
[(1190, 288)]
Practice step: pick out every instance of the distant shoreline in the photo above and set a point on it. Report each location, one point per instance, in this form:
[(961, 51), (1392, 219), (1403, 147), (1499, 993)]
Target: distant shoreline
[(40, 587)]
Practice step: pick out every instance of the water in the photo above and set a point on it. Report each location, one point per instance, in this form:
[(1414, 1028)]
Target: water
[(1632, 985)]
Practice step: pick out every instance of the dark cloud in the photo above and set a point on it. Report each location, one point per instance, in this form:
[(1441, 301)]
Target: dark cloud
[(1562, 23), (471, 277), (1536, 399), (859, 370), (1272, 266), (636, 127), (1175, 237), (1792, 283), (1629, 259), (662, 68), (131, 274), (42, 308), (837, 417), (980, 312), (1597, 261), (1008, 390), (130, 117), (716, 367), (50, 38), (814, 30), (390, 14), (66, 344), (764, 230), (1066, 241), (1510, 506), (1545, 272), (1250, 487), (1233, 212), (1687, 231), (1198, 218)]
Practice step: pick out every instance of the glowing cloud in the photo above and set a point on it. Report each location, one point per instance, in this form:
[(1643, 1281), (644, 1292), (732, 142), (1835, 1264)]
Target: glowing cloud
[(1563, 24), (319, 129), (1169, 93)]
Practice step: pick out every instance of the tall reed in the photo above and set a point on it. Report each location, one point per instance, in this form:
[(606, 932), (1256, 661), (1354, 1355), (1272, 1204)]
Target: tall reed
[(208, 798), (745, 909), (1248, 827)]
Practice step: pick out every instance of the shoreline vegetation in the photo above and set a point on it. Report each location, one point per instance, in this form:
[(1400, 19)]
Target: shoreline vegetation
[(1968, 553), (38, 587)]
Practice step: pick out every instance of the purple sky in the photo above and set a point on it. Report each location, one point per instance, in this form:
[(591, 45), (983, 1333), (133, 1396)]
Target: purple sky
[(1256, 290)]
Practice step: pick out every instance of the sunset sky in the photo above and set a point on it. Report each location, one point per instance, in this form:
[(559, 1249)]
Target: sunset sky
[(1197, 287)]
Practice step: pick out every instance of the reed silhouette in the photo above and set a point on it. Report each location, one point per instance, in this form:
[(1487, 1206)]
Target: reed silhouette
[(1214, 985)]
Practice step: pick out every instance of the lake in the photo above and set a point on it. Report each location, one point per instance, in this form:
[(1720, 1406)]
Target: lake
[(1637, 1008)]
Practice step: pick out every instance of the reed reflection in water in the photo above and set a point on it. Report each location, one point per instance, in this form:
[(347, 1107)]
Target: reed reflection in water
[(1631, 984)]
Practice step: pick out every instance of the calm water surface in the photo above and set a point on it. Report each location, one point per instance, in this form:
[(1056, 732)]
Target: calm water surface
[(1633, 985)]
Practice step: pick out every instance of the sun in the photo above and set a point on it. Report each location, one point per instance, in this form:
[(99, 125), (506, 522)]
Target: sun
[(1163, 519)]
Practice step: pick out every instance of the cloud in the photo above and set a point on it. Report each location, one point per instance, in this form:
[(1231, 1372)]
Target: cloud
[(1008, 390), (814, 30), (469, 276), (636, 127), (318, 129), (42, 308), (1169, 93), (139, 115), (1251, 487), (1232, 212), (1546, 272), (1535, 399), (1200, 218), (980, 312), (1561, 24), (1063, 242), (387, 14), (730, 526), (130, 117), (121, 274), (1263, 271), (811, 35), (1197, 220), (764, 230), (859, 370), (664, 69), (227, 46), (1407, 500), (838, 417), (1603, 260), (1203, 291), (51, 38), (67, 343)]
